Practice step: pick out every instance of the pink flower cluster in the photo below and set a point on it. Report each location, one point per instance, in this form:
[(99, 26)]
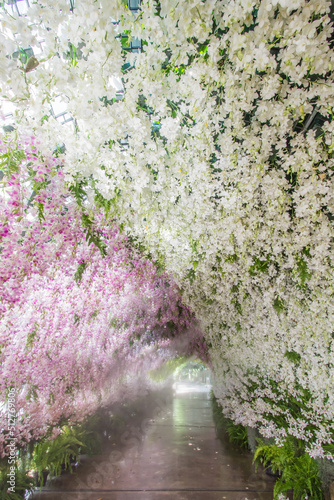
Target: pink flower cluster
[(73, 323)]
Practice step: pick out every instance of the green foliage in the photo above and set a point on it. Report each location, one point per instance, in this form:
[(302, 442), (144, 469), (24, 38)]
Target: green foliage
[(298, 471), (78, 191), (57, 454), (76, 319), (40, 208), (259, 266), (329, 448), (23, 483), (30, 337), (303, 476), (89, 434), (274, 456), (92, 236), (10, 161), (278, 305), (293, 356), (191, 275), (237, 433), (79, 272), (231, 258), (37, 186), (71, 54), (100, 201), (302, 271)]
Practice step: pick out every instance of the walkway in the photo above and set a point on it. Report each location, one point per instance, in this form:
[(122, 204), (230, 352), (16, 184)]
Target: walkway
[(175, 456)]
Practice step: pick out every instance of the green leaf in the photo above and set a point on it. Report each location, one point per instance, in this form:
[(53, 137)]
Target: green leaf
[(278, 305), (79, 272), (259, 266), (293, 356), (40, 208)]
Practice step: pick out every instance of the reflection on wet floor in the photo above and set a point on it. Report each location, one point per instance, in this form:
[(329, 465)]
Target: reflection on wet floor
[(172, 454)]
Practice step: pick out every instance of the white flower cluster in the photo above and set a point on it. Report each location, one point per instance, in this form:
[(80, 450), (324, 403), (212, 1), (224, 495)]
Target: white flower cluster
[(210, 160)]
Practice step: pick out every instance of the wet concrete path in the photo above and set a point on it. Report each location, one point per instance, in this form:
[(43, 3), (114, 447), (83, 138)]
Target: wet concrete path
[(175, 455)]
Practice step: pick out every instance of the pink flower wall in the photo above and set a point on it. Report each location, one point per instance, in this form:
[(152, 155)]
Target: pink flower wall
[(76, 319)]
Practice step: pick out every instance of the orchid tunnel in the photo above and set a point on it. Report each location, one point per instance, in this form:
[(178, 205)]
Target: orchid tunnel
[(166, 174)]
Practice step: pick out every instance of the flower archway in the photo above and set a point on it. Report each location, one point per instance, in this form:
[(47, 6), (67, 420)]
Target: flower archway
[(205, 129)]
